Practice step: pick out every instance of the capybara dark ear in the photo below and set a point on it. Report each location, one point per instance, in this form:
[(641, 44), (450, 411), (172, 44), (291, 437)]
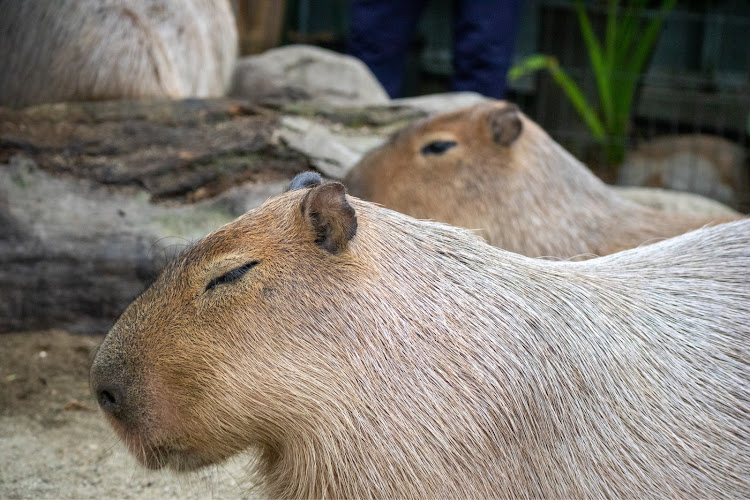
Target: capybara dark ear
[(331, 217), (505, 124), (305, 180)]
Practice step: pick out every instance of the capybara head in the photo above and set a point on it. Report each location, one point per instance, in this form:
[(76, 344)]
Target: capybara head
[(490, 168), (162, 399), (363, 353), (441, 159)]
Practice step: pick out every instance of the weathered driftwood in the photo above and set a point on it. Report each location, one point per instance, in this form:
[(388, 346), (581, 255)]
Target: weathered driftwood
[(94, 197), (188, 150)]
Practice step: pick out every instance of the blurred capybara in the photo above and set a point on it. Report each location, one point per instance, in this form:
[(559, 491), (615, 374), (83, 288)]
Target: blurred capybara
[(489, 167), (78, 50), (362, 353)]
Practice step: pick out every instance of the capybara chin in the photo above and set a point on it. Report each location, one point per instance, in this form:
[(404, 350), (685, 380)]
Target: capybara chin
[(81, 50), (489, 167), (362, 353)]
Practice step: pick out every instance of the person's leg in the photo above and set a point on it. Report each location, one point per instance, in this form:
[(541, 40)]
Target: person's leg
[(484, 36), (380, 33)]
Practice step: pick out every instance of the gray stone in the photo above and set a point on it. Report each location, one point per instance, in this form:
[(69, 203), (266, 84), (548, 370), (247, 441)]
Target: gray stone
[(441, 103), (332, 150), (305, 73), (77, 252)]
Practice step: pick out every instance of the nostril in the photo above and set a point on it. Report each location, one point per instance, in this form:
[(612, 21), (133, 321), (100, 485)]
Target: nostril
[(110, 400), (106, 398)]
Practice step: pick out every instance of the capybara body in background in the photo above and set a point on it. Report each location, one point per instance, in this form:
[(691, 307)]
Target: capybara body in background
[(489, 167), (362, 353), (78, 50)]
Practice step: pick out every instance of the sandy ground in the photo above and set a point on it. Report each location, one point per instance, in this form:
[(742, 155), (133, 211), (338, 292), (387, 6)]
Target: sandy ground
[(54, 443)]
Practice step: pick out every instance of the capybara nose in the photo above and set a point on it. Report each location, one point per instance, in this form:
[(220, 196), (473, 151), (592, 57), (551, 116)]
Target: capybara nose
[(111, 398)]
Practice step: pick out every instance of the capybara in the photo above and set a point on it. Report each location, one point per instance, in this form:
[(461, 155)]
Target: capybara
[(362, 353), (491, 168), (79, 50)]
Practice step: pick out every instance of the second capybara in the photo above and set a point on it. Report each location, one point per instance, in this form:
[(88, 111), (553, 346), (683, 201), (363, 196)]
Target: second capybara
[(361, 353), (82, 50), (489, 167)]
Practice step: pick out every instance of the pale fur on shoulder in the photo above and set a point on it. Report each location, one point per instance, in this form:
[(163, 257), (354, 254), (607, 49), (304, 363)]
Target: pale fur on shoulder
[(464, 371), (72, 50)]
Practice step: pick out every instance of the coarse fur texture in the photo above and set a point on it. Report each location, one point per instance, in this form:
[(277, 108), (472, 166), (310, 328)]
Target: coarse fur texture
[(79, 50), (416, 361), (507, 178)]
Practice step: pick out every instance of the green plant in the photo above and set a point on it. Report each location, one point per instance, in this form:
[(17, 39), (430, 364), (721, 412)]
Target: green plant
[(617, 63)]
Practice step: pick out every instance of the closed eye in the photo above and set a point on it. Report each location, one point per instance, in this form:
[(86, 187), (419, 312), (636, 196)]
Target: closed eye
[(437, 147), (232, 275)]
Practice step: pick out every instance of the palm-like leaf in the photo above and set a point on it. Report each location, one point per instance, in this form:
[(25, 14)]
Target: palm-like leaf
[(617, 63)]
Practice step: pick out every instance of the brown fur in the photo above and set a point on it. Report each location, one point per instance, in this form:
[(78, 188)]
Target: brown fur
[(74, 50), (417, 361), (509, 179)]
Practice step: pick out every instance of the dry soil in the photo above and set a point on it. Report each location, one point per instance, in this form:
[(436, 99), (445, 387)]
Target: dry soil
[(54, 443)]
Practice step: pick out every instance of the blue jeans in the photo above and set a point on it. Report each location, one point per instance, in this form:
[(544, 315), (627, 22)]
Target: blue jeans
[(484, 33)]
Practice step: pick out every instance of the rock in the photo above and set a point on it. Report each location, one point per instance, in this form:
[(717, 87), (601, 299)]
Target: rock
[(177, 150), (95, 197), (675, 201), (335, 138), (296, 73), (702, 164), (441, 103), (79, 252), (330, 151)]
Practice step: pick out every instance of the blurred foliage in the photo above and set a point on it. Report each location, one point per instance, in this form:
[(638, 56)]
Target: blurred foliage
[(617, 62)]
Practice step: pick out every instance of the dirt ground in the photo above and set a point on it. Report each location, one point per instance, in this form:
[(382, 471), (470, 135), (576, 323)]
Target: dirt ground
[(54, 443)]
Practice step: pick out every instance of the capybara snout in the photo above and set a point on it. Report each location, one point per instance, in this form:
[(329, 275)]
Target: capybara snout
[(225, 291), (109, 390), (360, 353)]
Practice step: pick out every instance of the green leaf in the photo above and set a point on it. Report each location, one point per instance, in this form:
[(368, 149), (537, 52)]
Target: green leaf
[(617, 64), (629, 26), (537, 62), (578, 100), (603, 80), (527, 65), (610, 36), (643, 48), (648, 38)]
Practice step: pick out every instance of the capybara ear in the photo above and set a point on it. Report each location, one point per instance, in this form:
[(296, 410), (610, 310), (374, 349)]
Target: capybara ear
[(304, 180), (505, 124), (334, 221)]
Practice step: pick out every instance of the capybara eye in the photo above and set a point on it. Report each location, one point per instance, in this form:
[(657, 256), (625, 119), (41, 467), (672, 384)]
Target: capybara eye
[(437, 147), (232, 275)]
